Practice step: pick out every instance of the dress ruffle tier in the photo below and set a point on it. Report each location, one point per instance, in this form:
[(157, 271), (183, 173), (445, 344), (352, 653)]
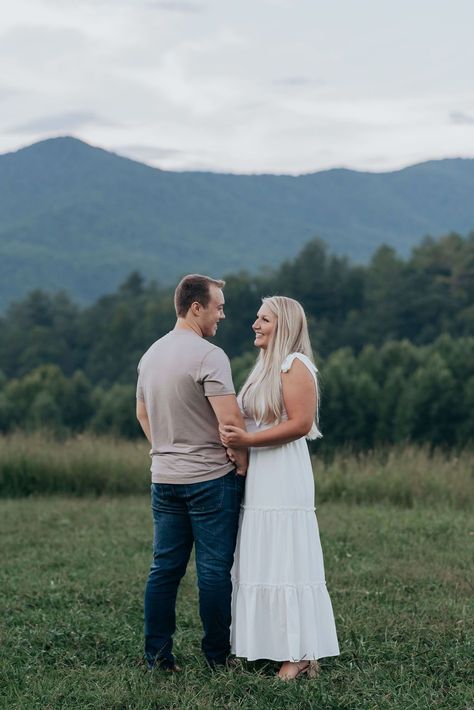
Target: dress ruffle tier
[(280, 601)]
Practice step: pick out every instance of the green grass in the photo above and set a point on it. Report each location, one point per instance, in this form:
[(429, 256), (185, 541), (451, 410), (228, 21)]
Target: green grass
[(85, 465), (72, 578), (88, 465)]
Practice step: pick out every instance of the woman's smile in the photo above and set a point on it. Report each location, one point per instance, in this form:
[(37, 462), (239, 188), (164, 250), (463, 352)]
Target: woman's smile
[(263, 327)]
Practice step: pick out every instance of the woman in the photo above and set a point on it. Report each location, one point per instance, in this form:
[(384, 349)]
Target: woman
[(280, 607)]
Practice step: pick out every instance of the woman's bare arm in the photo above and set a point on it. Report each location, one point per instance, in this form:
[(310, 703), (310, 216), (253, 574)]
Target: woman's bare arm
[(299, 397)]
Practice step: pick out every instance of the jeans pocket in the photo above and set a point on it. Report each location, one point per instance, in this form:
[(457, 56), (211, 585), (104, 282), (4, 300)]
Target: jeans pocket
[(162, 496), (206, 497)]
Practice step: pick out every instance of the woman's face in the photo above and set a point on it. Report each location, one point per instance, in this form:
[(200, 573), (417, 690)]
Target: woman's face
[(264, 327)]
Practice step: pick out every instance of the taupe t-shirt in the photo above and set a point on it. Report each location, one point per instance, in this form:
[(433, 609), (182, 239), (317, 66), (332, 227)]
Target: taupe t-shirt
[(175, 377)]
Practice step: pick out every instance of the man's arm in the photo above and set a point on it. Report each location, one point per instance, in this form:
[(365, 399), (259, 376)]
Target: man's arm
[(142, 417), (227, 412)]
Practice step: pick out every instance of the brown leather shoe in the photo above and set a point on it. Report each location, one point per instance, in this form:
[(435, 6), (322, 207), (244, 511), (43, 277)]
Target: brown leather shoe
[(233, 663), (172, 669), (165, 668)]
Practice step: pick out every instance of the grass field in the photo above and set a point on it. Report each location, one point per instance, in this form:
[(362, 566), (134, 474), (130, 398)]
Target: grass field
[(72, 578), (32, 464)]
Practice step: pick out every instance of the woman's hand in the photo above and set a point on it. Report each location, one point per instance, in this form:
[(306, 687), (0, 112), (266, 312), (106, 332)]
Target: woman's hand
[(234, 437)]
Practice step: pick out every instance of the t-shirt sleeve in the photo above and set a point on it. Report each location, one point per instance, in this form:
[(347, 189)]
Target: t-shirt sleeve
[(140, 394), (215, 375)]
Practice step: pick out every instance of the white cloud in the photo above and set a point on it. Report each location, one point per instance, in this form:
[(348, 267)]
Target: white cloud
[(148, 152), (62, 122), (175, 6), (461, 118), (267, 85), (295, 81)]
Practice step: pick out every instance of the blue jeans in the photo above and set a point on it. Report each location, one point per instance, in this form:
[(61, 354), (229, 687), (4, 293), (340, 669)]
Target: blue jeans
[(206, 514)]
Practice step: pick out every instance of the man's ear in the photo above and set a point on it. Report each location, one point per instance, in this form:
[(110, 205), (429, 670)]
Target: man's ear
[(196, 308)]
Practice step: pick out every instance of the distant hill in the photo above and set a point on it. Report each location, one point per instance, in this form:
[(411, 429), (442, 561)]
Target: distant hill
[(80, 218)]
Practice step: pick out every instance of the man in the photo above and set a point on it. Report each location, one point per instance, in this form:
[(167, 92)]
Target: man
[(184, 393)]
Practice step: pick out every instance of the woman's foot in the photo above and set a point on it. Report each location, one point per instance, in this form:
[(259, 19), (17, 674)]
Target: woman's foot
[(291, 671)]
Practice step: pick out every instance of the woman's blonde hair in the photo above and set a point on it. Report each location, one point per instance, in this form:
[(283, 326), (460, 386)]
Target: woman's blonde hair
[(262, 388)]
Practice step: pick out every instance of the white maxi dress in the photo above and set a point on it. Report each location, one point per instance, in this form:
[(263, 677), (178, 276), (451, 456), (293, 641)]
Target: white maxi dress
[(281, 609)]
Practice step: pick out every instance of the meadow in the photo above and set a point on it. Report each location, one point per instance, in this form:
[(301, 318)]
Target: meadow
[(88, 465), (75, 531)]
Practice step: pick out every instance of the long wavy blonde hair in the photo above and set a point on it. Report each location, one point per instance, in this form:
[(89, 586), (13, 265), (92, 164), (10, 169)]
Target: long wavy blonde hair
[(262, 388)]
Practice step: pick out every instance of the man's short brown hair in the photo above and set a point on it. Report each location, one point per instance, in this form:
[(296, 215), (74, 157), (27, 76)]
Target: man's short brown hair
[(192, 288)]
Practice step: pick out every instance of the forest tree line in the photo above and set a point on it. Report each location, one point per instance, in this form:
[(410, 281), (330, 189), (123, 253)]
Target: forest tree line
[(394, 342)]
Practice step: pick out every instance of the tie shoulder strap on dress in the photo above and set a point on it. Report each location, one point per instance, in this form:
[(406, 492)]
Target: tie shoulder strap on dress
[(288, 362)]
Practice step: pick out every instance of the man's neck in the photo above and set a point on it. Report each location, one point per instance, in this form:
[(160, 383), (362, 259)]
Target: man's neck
[(183, 324)]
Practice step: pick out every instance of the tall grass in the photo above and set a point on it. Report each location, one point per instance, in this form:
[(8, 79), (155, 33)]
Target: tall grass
[(87, 465), (404, 476)]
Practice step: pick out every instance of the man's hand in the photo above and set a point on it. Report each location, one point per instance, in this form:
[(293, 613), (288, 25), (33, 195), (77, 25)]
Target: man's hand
[(240, 459)]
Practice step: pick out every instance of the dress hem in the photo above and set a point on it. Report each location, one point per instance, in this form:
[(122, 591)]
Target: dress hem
[(281, 659), (283, 585)]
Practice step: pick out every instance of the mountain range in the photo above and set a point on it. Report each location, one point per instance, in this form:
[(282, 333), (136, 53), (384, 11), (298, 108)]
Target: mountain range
[(79, 218)]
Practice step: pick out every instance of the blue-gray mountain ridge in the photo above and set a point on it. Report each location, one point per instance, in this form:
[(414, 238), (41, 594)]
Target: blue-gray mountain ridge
[(79, 218)]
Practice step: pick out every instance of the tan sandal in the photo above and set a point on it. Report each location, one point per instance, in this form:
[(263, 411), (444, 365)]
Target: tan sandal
[(311, 669)]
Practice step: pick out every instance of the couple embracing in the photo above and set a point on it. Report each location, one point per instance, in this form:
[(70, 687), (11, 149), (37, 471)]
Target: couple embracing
[(233, 477)]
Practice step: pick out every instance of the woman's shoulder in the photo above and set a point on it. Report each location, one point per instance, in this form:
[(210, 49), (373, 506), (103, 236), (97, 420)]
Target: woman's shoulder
[(289, 360)]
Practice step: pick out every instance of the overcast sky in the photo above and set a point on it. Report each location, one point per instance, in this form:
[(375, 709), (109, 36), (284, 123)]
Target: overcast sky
[(281, 86)]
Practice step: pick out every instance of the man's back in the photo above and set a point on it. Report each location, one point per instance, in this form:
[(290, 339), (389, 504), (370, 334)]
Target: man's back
[(184, 389), (176, 375)]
